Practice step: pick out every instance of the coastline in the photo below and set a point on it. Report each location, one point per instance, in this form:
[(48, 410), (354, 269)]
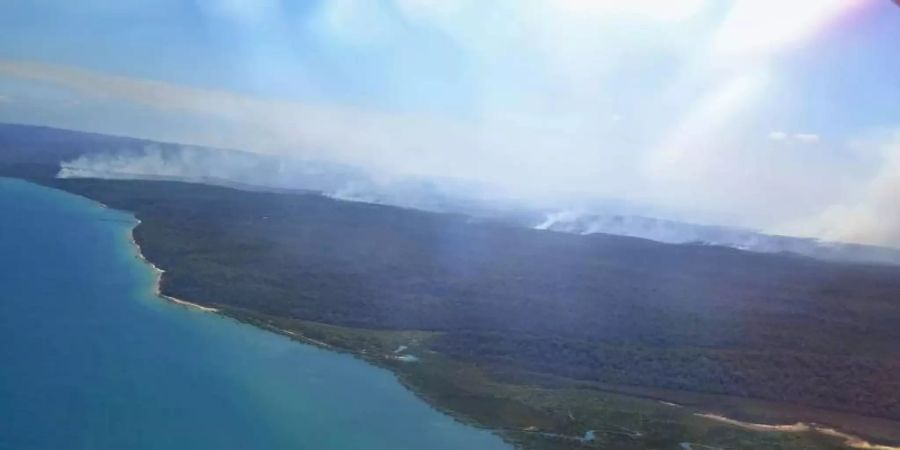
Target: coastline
[(72, 272), (299, 337), (159, 273), (849, 439), (800, 427)]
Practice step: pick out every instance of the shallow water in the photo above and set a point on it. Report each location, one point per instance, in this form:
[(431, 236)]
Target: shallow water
[(90, 358)]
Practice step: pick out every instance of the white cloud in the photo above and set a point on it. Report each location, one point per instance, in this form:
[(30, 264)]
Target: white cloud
[(778, 136), (807, 138), (803, 138)]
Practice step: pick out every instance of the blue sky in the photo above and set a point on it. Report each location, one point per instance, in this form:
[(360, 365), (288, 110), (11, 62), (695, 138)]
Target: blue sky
[(286, 55), (781, 115)]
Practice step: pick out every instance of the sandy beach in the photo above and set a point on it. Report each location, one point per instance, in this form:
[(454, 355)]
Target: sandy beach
[(159, 274), (849, 439)]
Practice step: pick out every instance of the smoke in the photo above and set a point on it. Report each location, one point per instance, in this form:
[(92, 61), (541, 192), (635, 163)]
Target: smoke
[(245, 170), (667, 103), (656, 229), (566, 221), (870, 216), (863, 221), (191, 164), (205, 165), (506, 154), (675, 232), (155, 161)]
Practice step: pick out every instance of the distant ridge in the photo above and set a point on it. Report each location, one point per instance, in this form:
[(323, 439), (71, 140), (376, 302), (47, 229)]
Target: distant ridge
[(93, 155), (675, 232)]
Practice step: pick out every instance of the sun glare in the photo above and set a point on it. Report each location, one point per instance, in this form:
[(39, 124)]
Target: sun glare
[(662, 10), (763, 26)]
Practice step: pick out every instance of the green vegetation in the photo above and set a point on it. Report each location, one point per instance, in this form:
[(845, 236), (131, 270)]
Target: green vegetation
[(549, 415), (521, 329), (536, 334)]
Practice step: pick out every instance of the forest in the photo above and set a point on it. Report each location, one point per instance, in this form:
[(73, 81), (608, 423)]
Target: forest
[(598, 308)]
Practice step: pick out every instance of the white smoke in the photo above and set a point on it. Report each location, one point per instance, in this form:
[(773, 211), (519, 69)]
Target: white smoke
[(154, 161), (255, 171), (870, 216), (561, 221), (268, 172), (675, 232), (564, 97)]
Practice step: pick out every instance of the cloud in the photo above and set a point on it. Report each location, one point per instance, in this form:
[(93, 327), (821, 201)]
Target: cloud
[(777, 136), (807, 138), (804, 138)]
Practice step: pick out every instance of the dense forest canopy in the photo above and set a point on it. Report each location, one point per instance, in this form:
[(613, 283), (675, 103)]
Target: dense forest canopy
[(598, 308)]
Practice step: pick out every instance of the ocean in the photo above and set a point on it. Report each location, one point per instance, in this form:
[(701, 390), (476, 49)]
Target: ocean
[(91, 358)]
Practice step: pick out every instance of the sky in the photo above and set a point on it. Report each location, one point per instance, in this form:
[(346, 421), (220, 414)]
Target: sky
[(777, 115)]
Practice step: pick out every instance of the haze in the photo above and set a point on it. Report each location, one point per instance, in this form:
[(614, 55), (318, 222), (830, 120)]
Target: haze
[(782, 116)]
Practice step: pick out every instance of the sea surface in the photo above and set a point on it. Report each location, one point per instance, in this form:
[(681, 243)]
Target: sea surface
[(90, 358)]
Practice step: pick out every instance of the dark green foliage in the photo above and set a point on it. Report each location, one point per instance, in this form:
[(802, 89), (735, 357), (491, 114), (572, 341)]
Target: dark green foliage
[(600, 308), (609, 309)]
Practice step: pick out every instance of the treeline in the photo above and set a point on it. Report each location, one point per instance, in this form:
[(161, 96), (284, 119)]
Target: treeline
[(600, 308), (842, 382)]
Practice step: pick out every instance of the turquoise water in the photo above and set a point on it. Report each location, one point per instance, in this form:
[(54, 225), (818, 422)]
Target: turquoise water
[(91, 359)]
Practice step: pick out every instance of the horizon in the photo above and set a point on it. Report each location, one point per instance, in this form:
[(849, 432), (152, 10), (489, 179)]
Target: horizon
[(450, 224), (684, 105)]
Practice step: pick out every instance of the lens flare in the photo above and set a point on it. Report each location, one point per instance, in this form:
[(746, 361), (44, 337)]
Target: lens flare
[(661, 10), (765, 26)]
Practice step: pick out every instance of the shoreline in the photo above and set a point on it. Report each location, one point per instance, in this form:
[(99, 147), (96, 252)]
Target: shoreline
[(302, 339), (799, 427), (157, 284), (849, 440)]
